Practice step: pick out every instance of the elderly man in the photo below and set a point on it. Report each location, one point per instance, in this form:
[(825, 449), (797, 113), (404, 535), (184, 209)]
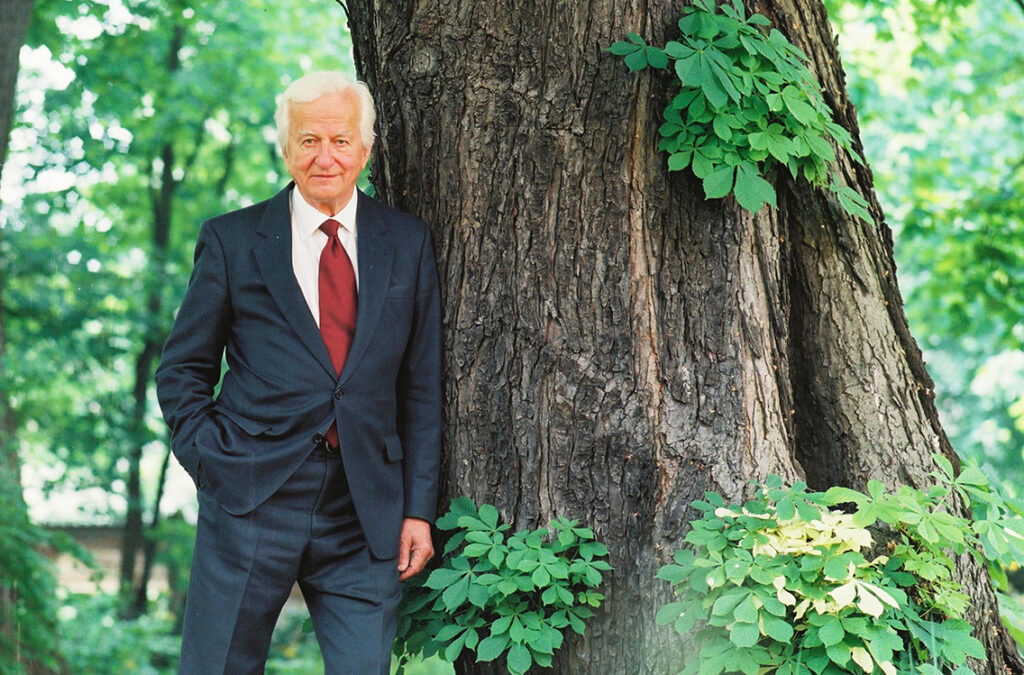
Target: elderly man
[(317, 460)]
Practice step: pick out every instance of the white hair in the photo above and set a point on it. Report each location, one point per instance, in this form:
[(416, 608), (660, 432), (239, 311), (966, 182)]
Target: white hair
[(314, 85)]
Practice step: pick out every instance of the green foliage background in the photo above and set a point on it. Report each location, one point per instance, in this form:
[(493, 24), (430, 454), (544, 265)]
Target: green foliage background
[(938, 94)]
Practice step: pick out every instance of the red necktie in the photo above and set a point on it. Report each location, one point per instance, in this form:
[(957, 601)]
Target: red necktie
[(338, 302)]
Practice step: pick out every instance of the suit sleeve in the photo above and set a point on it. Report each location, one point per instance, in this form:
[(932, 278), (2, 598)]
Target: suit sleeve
[(191, 364), (419, 393)]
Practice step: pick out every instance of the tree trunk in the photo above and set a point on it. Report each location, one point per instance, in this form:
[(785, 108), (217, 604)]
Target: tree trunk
[(14, 17), (615, 345), (149, 545), (134, 591)]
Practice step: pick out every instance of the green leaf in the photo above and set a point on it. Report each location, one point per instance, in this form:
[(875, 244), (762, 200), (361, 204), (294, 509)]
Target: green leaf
[(945, 465), (807, 511), (718, 183), (668, 613), (746, 611), (478, 595), (722, 128), (777, 628), (519, 659), (841, 495), (622, 48), (495, 556), (449, 632), (442, 578), (592, 549), (744, 634), (852, 202), (489, 515), (702, 164), (780, 147), (456, 594), (516, 631), (679, 160), (476, 550), (686, 72), (710, 85), (726, 603), (796, 102), (751, 190), (831, 632), (501, 624), (677, 50), (837, 568), (491, 647), (636, 61), (819, 146), (785, 509), (452, 651), (656, 58)]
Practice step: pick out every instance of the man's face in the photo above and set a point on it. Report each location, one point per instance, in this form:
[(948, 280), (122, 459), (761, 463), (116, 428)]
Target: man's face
[(325, 150)]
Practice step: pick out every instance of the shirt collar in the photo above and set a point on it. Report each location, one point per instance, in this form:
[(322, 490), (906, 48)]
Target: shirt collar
[(309, 219)]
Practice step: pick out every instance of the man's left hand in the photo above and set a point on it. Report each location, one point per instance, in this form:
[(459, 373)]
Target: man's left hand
[(415, 547)]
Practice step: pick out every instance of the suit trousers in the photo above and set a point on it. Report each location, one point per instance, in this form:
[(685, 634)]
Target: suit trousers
[(244, 567)]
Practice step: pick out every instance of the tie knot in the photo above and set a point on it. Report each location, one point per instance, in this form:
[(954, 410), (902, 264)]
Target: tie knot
[(330, 227)]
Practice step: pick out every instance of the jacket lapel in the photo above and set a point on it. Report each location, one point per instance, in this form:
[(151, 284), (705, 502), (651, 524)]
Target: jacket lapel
[(274, 259), (375, 258)]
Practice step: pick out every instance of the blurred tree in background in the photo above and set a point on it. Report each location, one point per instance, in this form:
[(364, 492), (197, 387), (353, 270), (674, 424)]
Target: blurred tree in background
[(135, 119), (163, 121), (941, 106)]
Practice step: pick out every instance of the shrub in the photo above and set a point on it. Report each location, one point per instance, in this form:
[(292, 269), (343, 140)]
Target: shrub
[(496, 593), (28, 613), (787, 585)]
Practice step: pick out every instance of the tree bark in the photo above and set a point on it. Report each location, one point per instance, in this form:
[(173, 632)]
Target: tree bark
[(14, 17), (615, 345)]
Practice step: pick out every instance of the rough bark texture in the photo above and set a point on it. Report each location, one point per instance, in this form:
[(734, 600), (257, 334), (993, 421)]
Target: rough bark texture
[(615, 345)]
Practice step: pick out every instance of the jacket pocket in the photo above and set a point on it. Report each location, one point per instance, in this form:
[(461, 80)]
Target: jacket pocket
[(393, 448), (399, 292), (251, 427)]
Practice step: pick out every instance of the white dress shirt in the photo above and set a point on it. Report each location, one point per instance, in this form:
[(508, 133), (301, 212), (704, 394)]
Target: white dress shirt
[(308, 242)]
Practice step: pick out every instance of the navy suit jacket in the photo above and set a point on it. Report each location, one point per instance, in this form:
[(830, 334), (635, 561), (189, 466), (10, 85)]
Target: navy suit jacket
[(280, 391)]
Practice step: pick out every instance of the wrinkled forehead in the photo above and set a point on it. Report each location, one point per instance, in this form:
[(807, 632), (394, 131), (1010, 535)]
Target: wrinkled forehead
[(336, 112)]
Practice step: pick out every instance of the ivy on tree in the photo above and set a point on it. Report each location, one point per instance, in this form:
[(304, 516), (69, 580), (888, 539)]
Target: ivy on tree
[(747, 103)]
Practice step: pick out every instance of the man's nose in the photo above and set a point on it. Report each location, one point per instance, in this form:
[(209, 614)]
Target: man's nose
[(323, 157)]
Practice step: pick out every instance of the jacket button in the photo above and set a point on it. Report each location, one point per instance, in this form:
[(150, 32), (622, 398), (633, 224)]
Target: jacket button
[(338, 393), (318, 439)]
